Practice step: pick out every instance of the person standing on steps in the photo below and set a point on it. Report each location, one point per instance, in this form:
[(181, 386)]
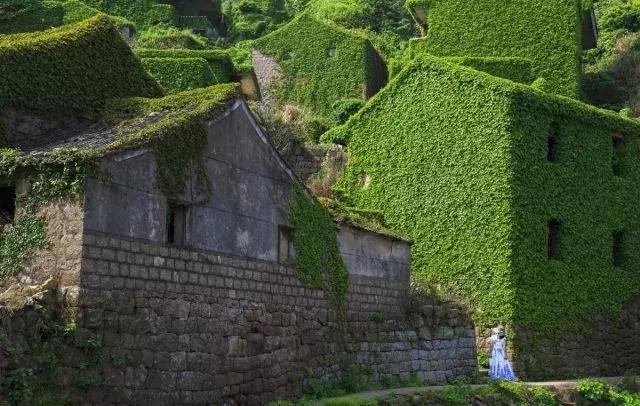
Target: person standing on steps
[(499, 366)]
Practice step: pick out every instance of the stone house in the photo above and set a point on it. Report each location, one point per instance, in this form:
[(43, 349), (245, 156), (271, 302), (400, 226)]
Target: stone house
[(197, 291), (315, 63), (522, 202)]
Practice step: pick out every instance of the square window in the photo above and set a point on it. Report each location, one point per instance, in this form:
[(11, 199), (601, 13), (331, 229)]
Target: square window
[(176, 224), (286, 250)]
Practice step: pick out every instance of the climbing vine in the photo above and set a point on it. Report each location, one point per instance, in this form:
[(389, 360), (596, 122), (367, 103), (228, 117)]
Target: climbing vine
[(60, 174), (465, 173), (318, 260)]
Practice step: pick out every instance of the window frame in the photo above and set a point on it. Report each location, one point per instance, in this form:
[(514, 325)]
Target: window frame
[(285, 238), (176, 227)]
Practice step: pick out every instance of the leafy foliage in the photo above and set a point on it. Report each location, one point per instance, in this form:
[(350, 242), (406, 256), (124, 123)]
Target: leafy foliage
[(516, 69), (177, 138), (74, 67), (611, 78), (598, 393), (323, 63), (76, 11), (546, 32), (464, 172), (61, 174), (345, 108), (251, 19), (29, 15), (318, 260), (170, 38), (19, 242), (144, 13), (178, 74), (219, 61)]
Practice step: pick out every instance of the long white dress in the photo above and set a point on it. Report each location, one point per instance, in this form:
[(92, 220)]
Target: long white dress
[(499, 366)]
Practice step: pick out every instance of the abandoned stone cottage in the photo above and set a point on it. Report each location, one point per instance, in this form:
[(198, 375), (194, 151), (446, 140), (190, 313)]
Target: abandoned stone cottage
[(198, 293)]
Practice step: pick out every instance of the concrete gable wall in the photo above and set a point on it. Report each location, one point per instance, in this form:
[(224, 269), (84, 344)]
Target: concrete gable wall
[(250, 191)]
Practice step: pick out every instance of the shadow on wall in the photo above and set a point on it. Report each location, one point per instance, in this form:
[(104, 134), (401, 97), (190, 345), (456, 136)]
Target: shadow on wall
[(609, 346)]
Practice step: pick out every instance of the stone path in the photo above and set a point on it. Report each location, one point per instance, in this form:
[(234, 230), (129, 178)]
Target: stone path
[(375, 394)]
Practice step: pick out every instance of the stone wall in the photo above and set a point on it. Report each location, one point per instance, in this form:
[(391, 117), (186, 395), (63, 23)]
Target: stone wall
[(61, 260), (607, 347), (202, 328)]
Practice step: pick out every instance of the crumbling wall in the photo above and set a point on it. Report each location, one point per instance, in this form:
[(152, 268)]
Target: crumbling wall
[(61, 260)]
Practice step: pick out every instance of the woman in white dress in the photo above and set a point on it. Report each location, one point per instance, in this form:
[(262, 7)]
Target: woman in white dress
[(499, 366)]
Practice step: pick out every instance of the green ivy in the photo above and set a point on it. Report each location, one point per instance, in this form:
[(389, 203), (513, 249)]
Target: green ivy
[(457, 160), (179, 74), (195, 22), (60, 174), (547, 32), (76, 11), (73, 67), (178, 138), (170, 38), (249, 19), (29, 15), (323, 63), (519, 70), (19, 242), (144, 13), (318, 261), (219, 60)]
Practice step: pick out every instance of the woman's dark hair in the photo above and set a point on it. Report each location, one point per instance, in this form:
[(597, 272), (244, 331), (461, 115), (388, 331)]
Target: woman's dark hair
[(501, 335)]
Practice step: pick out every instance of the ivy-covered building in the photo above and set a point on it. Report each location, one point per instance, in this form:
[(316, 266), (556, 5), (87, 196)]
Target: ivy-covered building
[(158, 250), (523, 203), (549, 33), (318, 64)]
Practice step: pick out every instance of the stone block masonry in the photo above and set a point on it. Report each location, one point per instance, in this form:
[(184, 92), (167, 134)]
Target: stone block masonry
[(195, 327)]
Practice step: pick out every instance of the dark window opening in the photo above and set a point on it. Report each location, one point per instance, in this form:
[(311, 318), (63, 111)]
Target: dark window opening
[(553, 239), (552, 143), (176, 224), (617, 162), (589, 30), (7, 205), (618, 248), (286, 250)]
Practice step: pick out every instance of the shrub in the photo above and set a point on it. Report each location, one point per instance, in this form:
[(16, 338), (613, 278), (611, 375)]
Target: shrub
[(77, 67), (602, 393), (592, 390)]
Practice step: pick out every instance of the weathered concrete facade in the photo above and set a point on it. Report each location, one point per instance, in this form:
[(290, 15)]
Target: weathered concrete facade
[(219, 318)]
